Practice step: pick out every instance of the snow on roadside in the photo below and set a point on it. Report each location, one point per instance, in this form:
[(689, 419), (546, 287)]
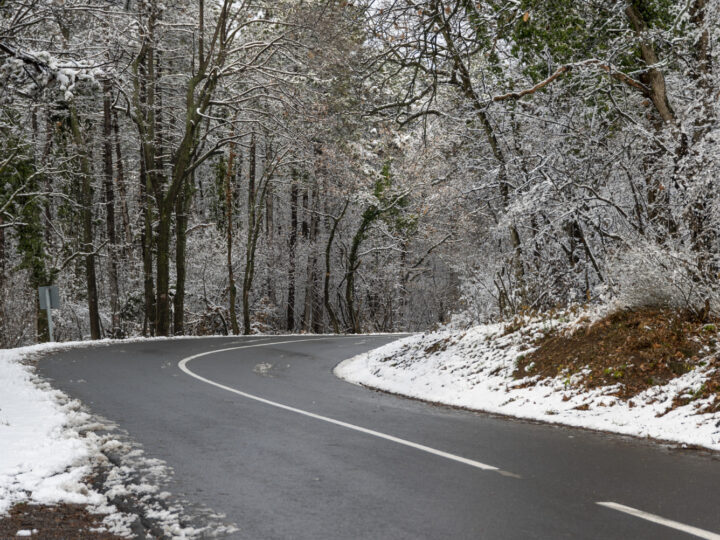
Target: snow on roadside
[(50, 446), (474, 369), (41, 456)]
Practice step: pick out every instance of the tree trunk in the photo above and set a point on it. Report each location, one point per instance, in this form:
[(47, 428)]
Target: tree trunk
[(659, 204), (147, 251), (326, 286), (309, 228), (2, 253), (251, 240), (182, 207), (353, 263), (229, 237), (652, 78), (115, 331), (290, 314), (162, 296), (270, 233), (4, 339), (122, 191), (317, 305), (49, 130), (87, 224)]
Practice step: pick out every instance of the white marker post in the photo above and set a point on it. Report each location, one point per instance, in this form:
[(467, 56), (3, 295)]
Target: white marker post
[(49, 299)]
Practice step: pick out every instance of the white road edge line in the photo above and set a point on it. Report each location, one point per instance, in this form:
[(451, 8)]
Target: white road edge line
[(662, 521), (183, 366)]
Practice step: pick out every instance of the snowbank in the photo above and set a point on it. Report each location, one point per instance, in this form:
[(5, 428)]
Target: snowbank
[(49, 447), (41, 456), (474, 370)]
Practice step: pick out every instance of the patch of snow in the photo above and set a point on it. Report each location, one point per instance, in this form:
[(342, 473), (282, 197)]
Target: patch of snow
[(263, 368), (51, 446), (42, 457), (474, 369)]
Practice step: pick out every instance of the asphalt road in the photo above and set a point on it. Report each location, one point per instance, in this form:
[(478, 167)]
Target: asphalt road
[(306, 471)]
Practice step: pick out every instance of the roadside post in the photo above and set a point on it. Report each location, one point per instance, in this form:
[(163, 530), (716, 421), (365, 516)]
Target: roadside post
[(49, 299)]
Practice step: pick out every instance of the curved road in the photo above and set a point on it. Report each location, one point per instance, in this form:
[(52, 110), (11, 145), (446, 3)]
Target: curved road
[(261, 430)]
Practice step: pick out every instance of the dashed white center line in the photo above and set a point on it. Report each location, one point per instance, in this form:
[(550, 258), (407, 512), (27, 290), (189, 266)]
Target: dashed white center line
[(183, 366), (700, 533)]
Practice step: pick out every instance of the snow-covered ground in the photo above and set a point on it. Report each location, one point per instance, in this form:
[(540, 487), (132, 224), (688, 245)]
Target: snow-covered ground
[(474, 369), (49, 447)]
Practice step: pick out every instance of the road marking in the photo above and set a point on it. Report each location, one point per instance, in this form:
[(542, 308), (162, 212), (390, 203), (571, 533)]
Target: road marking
[(183, 366), (662, 521)]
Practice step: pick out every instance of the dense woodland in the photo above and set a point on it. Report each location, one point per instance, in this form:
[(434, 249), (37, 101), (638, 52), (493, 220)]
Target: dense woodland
[(241, 166)]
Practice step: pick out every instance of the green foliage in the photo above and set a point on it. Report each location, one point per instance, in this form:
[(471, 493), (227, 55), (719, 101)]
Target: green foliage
[(572, 31), (656, 13), (19, 176), (397, 216), (566, 29)]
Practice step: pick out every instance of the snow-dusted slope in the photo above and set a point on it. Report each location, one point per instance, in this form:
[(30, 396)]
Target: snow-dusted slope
[(473, 369)]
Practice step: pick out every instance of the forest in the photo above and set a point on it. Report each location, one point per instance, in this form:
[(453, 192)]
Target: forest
[(208, 167)]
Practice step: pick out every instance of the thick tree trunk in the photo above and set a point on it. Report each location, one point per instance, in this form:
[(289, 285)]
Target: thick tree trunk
[(166, 206), (87, 224), (652, 77), (147, 252), (326, 284), (182, 207), (353, 263), (122, 190), (162, 297)]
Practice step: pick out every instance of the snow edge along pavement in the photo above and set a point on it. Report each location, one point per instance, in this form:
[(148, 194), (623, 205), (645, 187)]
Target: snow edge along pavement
[(475, 371), (55, 451)]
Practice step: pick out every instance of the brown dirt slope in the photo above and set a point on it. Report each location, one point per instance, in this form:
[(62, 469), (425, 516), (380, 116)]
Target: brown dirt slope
[(636, 349)]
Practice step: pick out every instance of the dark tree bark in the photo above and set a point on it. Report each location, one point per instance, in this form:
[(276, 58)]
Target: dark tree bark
[(87, 225), (229, 237), (2, 254), (326, 287), (317, 304), (290, 314), (270, 232), (652, 77), (198, 93), (110, 212), (353, 262), (182, 208), (146, 239), (658, 196), (310, 230), (122, 190), (252, 227), (255, 221)]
